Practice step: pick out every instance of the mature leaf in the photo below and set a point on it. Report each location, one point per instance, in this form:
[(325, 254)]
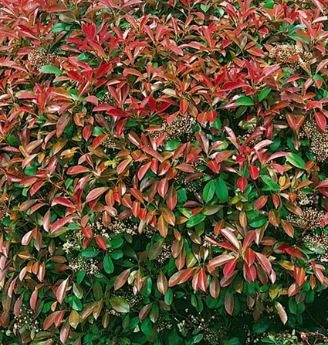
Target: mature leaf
[(296, 160), (119, 304), (50, 69)]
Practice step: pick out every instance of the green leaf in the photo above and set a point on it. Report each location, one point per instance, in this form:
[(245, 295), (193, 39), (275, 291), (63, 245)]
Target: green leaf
[(30, 170), (195, 220), (98, 131), (209, 191), (168, 297), (116, 242), (263, 94), (292, 305), (80, 276), (119, 304), (245, 100), (204, 7), (147, 328), (271, 186), (89, 253), (261, 326), (12, 140), (296, 160), (108, 264), (172, 145), (59, 27), (257, 222), (269, 4), (221, 189), (50, 69), (182, 195)]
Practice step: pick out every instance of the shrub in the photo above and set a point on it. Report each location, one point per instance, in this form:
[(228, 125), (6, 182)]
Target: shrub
[(163, 170)]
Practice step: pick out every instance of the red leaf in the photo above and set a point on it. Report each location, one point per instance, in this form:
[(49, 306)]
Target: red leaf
[(323, 184), (34, 298), (229, 267), (61, 291), (299, 275), (77, 169), (295, 121), (214, 287), (27, 238), (249, 239), (95, 193), (168, 216), (229, 303), (232, 85), (261, 202), (62, 123), (249, 256), (321, 120), (162, 226), (162, 187), (231, 237), (264, 262), (294, 252), (64, 333), (242, 183), (219, 261), (249, 273), (171, 198), (281, 312), (53, 319), (288, 228), (101, 242), (121, 279), (162, 283), (144, 311), (89, 30), (60, 223), (143, 170), (275, 200), (254, 171), (199, 280), (181, 277), (62, 201), (214, 166), (203, 141)]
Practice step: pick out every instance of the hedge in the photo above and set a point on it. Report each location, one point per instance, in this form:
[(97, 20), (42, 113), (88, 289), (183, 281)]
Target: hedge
[(163, 172)]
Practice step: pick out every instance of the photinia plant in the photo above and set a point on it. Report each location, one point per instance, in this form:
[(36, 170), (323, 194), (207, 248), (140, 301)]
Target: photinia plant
[(163, 171)]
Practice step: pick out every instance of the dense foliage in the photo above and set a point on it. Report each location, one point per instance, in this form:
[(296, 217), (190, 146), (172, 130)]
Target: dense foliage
[(163, 171)]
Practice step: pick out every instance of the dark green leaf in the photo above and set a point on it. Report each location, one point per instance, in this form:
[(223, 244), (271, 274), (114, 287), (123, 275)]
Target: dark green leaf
[(108, 264), (221, 189), (209, 191)]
